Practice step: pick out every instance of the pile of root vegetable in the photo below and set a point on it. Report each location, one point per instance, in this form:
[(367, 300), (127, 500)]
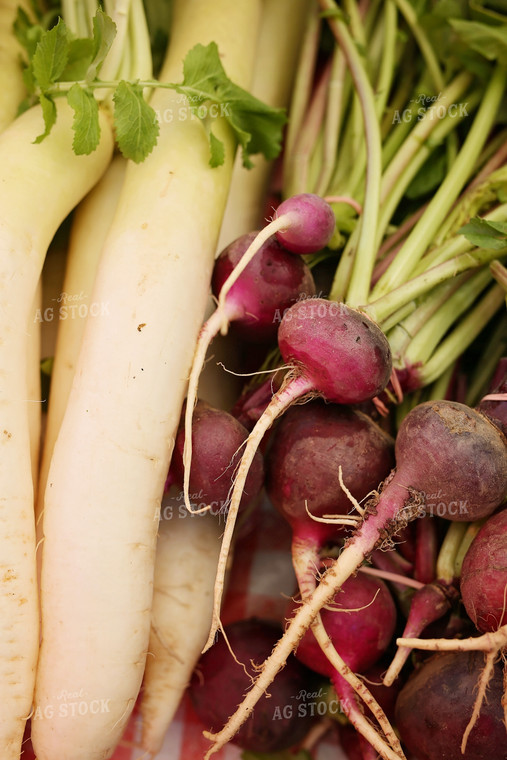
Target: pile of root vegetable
[(253, 261)]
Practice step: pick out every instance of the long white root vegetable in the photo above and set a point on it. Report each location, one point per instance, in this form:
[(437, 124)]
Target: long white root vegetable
[(187, 554), (39, 186), (111, 457)]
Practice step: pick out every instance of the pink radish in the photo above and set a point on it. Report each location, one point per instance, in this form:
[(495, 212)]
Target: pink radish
[(271, 282), (334, 352), (441, 447)]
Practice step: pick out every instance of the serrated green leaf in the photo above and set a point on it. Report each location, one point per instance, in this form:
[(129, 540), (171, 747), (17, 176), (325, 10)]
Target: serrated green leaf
[(104, 32), (485, 234), (86, 120), (80, 52), (135, 122), (49, 116), (489, 41), (51, 55), (257, 126), (217, 151)]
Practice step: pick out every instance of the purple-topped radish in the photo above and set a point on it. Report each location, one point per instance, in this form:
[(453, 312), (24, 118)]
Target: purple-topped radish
[(316, 452), (483, 580), (334, 352), (303, 224), (309, 223), (442, 448), (269, 285)]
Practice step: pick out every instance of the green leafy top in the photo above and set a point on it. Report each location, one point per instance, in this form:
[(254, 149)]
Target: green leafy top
[(485, 234), (62, 65)]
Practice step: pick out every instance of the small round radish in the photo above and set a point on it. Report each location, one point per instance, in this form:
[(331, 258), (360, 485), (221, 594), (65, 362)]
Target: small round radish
[(335, 352), (279, 720), (217, 438), (273, 280), (303, 224), (435, 705), (483, 581), (309, 223), (304, 480)]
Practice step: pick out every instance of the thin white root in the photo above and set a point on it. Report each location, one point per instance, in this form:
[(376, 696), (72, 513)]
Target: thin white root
[(493, 641), (351, 498), (393, 577), (481, 693), (279, 223), (206, 335)]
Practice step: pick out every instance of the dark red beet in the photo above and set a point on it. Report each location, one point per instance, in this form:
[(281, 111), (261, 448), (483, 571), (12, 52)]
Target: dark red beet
[(217, 440), (270, 283), (218, 684), (307, 448), (435, 706), (483, 580)]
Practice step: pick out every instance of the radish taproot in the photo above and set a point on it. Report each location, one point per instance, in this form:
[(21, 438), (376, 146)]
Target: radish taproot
[(333, 352), (443, 448), (125, 402)]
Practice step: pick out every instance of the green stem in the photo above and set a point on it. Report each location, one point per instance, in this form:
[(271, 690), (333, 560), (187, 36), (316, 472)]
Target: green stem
[(365, 254), (463, 335), (422, 40), (493, 350), (470, 533), (448, 551), (429, 335), (337, 92), (422, 234), (383, 307)]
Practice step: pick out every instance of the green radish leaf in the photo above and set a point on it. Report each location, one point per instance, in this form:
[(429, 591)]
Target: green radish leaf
[(135, 122), (217, 153), (485, 234), (489, 41), (48, 114), (79, 57), (51, 55), (86, 120), (104, 32), (257, 126)]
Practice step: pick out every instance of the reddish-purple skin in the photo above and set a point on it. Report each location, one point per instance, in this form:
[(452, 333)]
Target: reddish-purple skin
[(483, 580), (217, 440), (313, 227), (219, 683), (361, 635), (272, 281), (435, 706), (345, 355), (453, 456), (306, 449)]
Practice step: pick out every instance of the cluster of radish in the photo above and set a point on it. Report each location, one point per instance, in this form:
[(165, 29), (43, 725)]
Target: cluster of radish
[(340, 480)]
